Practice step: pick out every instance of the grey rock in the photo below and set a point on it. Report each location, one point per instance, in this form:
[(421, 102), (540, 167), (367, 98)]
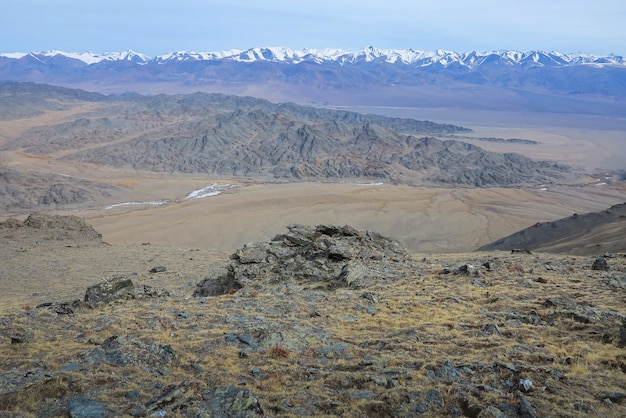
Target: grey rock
[(491, 329), (13, 381), (526, 410), (172, 396), (600, 263), (154, 292), (327, 256), (123, 352), (615, 397), (110, 289), (232, 402), (86, 408), (158, 269)]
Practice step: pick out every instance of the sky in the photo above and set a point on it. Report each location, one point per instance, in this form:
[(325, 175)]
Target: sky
[(156, 27)]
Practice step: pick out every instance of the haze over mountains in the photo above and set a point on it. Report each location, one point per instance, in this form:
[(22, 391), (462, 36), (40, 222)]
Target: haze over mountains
[(535, 81)]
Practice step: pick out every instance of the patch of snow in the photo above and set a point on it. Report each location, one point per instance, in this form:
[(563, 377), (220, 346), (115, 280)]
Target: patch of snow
[(378, 183), (208, 191), (544, 189), (14, 55), (154, 203)]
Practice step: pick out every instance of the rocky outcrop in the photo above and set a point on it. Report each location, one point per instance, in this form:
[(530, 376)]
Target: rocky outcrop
[(110, 289), (325, 256), (39, 227), (247, 137), (19, 191), (122, 351)]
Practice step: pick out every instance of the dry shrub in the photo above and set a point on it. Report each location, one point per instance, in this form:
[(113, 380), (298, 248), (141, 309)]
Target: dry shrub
[(279, 352)]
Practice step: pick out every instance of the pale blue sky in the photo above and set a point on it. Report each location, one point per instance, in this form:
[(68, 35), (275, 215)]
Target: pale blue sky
[(156, 27)]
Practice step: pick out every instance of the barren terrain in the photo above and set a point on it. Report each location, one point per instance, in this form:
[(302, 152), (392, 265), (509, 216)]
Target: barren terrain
[(467, 334), (454, 333), (425, 217)]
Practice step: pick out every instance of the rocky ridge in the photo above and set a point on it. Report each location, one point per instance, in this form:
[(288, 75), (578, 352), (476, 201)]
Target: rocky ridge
[(252, 138), (583, 234), (482, 335), (24, 191)]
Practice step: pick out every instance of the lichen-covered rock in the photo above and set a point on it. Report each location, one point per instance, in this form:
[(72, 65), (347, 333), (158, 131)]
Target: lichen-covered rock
[(232, 402), (326, 255), (123, 351), (18, 385), (83, 407), (110, 289)]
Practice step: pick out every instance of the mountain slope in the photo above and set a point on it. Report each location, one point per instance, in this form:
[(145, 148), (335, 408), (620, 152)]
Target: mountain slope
[(593, 233), (242, 136), (371, 76)]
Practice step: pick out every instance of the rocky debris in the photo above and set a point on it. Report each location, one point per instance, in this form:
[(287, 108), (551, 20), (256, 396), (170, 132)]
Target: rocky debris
[(615, 397), (232, 402), (526, 410), (172, 397), (109, 290), (580, 313), (326, 256), (158, 269), (423, 344), (53, 227), (122, 351), (600, 263), (83, 407), (154, 292), (61, 308), (35, 379)]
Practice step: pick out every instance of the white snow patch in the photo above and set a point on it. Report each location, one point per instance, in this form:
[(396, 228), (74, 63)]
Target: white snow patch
[(601, 184), (208, 191), (544, 189), (154, 203), (378, 183)]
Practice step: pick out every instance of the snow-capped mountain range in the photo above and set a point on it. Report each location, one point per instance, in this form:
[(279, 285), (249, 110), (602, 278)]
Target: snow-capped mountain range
[(514, 80), (412, 57)]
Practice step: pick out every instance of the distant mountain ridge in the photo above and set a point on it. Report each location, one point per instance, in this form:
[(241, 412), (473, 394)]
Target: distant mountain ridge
[(412, 57), (253, 138), (533, 81)]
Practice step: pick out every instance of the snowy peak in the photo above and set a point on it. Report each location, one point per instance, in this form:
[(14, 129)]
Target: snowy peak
[(412, 57), (86, 57)]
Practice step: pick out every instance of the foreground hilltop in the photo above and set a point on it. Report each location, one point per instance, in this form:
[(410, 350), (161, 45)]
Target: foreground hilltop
[(319, 321), (583, 234)]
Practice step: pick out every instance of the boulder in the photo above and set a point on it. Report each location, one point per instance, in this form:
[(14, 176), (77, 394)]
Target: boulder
[(83, 407), (122, 351), (600, 263), (110, 289), (326, 255), (232, 402)]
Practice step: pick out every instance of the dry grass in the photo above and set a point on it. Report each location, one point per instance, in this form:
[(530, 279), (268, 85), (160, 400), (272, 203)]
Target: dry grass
[(310, 346)]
